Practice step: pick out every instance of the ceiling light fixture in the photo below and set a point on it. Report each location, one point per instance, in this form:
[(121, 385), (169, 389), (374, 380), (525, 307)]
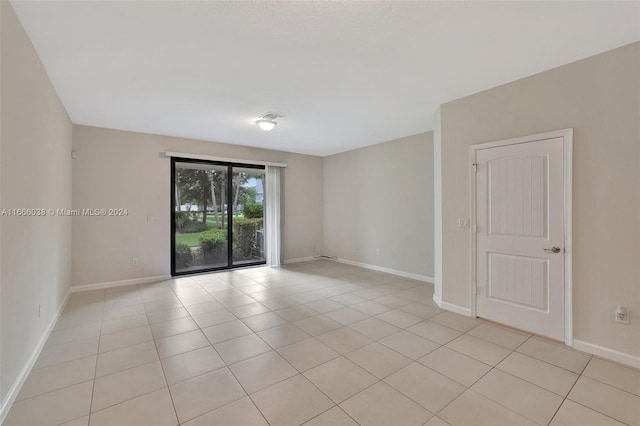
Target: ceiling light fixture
[(267, 122)]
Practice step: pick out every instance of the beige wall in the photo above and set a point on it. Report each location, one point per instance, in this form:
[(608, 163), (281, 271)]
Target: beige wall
[(381, 197), (599, 98), (35, 173), (118, 169)]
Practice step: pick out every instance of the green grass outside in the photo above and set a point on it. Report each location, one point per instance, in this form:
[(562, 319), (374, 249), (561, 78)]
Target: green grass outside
[(193, 240)]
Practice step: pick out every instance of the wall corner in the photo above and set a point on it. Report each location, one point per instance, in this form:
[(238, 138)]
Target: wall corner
[(437, 205)]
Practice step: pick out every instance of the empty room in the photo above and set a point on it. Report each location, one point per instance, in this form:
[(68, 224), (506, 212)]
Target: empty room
[(319, 213)]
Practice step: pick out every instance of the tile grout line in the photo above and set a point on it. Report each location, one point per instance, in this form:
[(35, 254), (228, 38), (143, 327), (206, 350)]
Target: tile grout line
[(325, 411), (567, 395), (210, 344), (164, 375), (275, 350), (499, 403), (103, 311), (343, 355), (247, 394), (342, 326), (579, 375), (93, 388), (599, 412), (225, 363), (469, 387), (544, 362), (378, 380), (117, 372)]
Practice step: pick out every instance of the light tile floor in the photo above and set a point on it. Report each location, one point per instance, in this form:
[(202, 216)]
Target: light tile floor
[(316, 343)]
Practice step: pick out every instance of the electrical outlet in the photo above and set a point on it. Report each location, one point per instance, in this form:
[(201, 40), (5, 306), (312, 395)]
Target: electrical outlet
[(134, 261), (464, 222), (621, 315), (378, 252)]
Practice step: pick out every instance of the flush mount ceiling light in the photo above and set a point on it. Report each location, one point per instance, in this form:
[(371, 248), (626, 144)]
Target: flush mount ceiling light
[(267, 122)]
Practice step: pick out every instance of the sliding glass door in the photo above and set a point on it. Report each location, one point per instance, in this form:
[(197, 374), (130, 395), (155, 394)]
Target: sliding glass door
[(217, 215)]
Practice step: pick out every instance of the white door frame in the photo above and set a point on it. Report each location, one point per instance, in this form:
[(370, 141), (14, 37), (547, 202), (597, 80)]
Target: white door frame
[(567, 137)]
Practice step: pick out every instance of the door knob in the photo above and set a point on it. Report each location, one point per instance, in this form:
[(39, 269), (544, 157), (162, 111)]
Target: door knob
[(554, 249)]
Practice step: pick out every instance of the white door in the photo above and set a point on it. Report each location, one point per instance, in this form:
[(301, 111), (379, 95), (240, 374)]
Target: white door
[(520, 236)]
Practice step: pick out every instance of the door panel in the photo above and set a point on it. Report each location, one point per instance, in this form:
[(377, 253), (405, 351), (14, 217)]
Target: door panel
[(200, 221), (517, 196), (519, 280), (248, 215), (520, 213)]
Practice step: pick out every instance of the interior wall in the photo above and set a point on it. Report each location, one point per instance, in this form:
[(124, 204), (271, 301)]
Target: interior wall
[(120, 169), (599, 98), (381, 198), (35, 173)]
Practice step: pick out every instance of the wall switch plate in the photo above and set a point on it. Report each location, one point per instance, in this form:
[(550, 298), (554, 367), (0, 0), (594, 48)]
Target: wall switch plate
[(464, 222), (134, 261), (621, 315)]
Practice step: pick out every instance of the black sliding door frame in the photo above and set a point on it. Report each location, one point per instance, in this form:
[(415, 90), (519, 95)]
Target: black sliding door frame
[(229, 189)]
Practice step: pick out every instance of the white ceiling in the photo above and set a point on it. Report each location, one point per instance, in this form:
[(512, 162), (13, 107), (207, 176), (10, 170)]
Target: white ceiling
[(346, 74)]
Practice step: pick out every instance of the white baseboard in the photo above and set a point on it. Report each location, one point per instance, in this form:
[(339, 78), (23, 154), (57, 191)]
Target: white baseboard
[(451, 307), (610, 354), (13, 392), (417, 277), (298, 260), (457, 309), (437, 300), (111, 284)]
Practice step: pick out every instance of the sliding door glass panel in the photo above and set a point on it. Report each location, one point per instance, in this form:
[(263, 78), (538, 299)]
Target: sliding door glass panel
[(201, 221), (248, 215)]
